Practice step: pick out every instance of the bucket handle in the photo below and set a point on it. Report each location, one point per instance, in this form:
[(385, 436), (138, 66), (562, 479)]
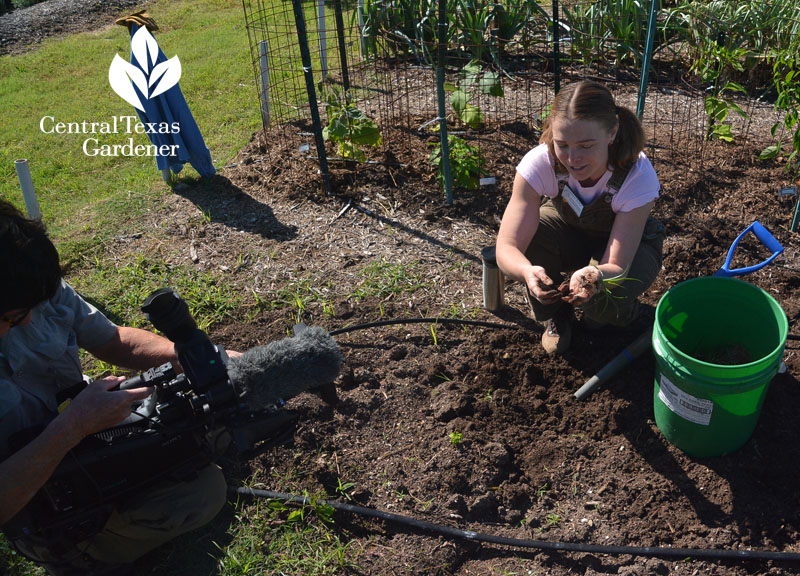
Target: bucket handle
[(764, 236)]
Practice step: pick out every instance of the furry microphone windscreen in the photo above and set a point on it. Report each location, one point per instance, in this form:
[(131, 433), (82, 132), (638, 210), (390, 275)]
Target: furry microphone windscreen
[(285, 368)]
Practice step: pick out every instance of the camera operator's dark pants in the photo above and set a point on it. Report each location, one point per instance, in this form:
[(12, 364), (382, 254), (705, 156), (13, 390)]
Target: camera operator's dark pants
[(148, 521)]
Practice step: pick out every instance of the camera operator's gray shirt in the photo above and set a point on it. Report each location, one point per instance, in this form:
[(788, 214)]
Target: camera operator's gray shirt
[(41, 358)]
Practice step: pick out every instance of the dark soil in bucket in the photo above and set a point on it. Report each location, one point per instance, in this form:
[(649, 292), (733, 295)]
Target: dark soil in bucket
[(728, 355)]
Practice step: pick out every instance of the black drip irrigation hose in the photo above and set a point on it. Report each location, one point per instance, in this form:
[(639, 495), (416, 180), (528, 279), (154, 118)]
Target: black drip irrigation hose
[(420, 321), (696, 553), (649, 551)]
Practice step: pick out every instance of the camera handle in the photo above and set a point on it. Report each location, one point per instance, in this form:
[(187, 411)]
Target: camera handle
[(145, 409), (152, 377)]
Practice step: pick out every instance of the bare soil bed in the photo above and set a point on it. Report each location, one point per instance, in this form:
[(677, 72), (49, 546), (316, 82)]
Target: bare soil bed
[(532, 462)]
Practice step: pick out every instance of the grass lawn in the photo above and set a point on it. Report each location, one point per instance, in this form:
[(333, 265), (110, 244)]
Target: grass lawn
[(86, 199), (66, 81)]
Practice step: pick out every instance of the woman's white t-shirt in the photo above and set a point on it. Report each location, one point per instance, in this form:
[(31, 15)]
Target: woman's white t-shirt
[(641, 186)]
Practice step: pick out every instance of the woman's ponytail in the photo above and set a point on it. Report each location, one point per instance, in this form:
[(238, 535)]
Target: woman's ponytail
[(629, 142)]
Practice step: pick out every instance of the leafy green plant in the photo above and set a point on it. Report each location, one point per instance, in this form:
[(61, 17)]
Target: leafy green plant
[(348, 126), (466, 163), (320, 509), (718, 103), (509, 19), (621, 24), (402, 28), (786, 76), (471, 76), (473, 18), (615, 31), (717, 109), (723, 40), (475, 28), (758, 27), (455, 438)]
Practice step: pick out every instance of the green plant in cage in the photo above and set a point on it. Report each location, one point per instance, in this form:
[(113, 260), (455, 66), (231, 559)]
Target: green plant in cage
[(582, 27), (472, 77), (348, 127), (372, 14), (786, 76), (408, 27), (626, 22), (473, 19), (621, 24), (466, 163), (509, 18), (720, 59), (718, 38)]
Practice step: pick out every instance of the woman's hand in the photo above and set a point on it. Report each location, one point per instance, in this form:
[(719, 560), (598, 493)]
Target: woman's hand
[(541, 286), (583, 285)]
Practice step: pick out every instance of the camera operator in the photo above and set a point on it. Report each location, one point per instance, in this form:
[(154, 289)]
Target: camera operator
[(43, 323)]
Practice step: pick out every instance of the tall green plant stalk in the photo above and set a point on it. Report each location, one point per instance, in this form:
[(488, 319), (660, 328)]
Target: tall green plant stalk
[(473, 78), (473, 19), (718, 103), (786, 76), (718, 37), (620, 24)]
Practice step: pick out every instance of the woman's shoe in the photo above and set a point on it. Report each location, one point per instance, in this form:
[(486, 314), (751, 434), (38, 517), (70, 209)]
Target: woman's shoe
[(557, 334)]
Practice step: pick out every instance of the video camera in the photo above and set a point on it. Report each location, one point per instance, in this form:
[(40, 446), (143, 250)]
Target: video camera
[(177, 430), (203, 396)]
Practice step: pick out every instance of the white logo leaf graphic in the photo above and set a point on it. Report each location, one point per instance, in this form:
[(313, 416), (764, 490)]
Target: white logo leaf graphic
[(145, 76), (142, 45), (120, 74), (166, 74)]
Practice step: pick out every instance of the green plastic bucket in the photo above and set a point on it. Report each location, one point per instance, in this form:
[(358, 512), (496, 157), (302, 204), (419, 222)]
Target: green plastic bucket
[(718, 342)]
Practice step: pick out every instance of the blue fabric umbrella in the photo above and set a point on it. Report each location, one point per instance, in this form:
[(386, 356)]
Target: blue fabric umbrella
[(166, 115)]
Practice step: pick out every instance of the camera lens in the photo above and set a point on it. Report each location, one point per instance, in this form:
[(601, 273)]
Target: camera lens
[(169, 313)]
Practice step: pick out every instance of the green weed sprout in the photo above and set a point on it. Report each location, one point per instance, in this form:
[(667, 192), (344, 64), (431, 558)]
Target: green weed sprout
[(455, 438)]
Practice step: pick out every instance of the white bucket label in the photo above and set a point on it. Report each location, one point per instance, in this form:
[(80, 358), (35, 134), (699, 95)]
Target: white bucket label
[(697, 410)]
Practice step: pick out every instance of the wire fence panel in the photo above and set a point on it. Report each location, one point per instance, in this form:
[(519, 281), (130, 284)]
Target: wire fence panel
[(711, 71)]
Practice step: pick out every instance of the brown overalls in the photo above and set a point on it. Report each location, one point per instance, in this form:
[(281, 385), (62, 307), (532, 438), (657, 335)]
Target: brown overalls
[(565, 242)]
